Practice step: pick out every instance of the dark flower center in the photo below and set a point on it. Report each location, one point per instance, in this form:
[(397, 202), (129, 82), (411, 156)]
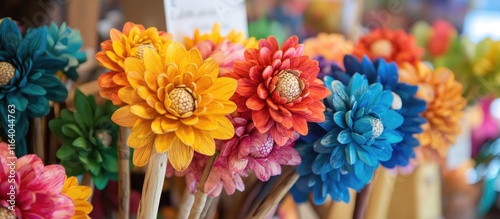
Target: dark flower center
[(140, 49), (7, 72), (265, 149), (381, 48), (6, 213), (105, 138), (289, 85), (377, 127), (182, 100)]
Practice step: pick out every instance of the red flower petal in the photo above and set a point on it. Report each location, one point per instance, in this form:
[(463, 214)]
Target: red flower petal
[(255, 103)]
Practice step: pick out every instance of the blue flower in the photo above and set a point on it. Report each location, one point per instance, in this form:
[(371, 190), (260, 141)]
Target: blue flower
[(405, 103), (335, 183), (64, 43), (24, 82), (344, 150)]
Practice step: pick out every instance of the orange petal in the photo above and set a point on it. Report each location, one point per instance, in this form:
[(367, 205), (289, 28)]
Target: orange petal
[(260, 119), (180, 155), (255, 103), (300, 124), (136, 65), (185, 134), (123, 117), (225, 130), (141, 155), (142, 129), (152, 61), (190, 120), (169, 125), (164, 142), (174, 53), (209, 67), (204, 143), (135, 142), (222, 88), (143, 110), (206, 123)]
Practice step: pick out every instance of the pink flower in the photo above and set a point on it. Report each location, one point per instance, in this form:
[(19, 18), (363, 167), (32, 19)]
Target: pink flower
[(37, 187), (224, 54), (264, 156)]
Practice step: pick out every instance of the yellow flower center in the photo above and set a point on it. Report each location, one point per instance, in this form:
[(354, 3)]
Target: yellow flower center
[(7, 72), (182, 100), (6, 213), (377, 127), (289, 85), (381, 48), (264, 150), (105, 138), (140, 49)]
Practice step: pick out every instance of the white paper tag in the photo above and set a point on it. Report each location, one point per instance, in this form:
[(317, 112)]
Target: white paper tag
[(184, 16)]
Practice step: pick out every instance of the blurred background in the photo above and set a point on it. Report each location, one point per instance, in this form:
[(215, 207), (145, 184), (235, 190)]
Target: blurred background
[(475, 19)]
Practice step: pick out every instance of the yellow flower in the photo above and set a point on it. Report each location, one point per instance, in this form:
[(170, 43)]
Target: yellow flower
[(176, 104), (80, 196), (445, 103), (487, 57), (216, 37)]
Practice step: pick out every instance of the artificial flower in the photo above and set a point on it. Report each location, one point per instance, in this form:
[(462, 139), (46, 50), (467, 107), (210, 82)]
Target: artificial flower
[(224, 54), (356, 136), (65, 43), (89, 140), (176, 104), (335, 183), (332, 47), (396, 46), (80, 196), (37, 188), (404, 102), (25, 85), (280, 88), (129, 43), (216, 37), (444, 104)]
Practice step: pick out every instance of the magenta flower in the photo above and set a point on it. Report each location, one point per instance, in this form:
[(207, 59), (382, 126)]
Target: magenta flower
[(37, 187), (224, 54)]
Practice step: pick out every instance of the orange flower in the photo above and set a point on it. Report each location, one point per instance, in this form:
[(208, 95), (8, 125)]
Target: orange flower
[(280, 88), (79, 195), (445, 103), (396, 46), (333, 47), (215, 36), (130, 43), (176, 103)]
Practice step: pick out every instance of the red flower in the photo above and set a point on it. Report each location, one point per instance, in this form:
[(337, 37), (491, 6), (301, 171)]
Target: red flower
[(280, 88), (392, 45)]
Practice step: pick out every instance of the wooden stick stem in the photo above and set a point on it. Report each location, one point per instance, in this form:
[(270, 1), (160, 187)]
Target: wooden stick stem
[(153, 185), (123, 174), (362, 202), (200, 196), (185, 205)]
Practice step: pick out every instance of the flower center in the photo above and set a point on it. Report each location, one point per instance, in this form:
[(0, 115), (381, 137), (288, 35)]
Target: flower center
[(381, 48), (377, 127), (397, 103), (140, 49), (182, 100), (7, 72), (6, 213), (289, 85), (264, 150), (105, 138)]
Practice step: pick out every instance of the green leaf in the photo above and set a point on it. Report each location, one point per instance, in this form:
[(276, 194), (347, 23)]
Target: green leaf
[(82, 143), (97, 156), (55, 125), (73, 167), (83, 108), (98, 113), (71, 130), (92, 103), (67, 116), (104, 122), (65, 152), (84, 159), (110, 159), (100, 181), (94, 167), (79, 121)]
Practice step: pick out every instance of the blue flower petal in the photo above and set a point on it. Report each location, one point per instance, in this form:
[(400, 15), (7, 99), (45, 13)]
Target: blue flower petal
[(344, 136)]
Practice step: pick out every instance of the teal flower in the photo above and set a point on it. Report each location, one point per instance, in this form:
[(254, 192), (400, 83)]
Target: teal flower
[(24, 82), (64, 43), (89, 139)]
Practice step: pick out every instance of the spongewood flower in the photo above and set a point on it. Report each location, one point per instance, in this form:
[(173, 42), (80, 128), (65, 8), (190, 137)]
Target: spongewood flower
[(278, 85), (216, 38), (445, 103), (391, 45), (129, 43), (176, 104), (37, 188)]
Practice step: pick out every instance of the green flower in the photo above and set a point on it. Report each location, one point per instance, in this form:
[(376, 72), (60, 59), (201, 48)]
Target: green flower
[(89, 140)]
